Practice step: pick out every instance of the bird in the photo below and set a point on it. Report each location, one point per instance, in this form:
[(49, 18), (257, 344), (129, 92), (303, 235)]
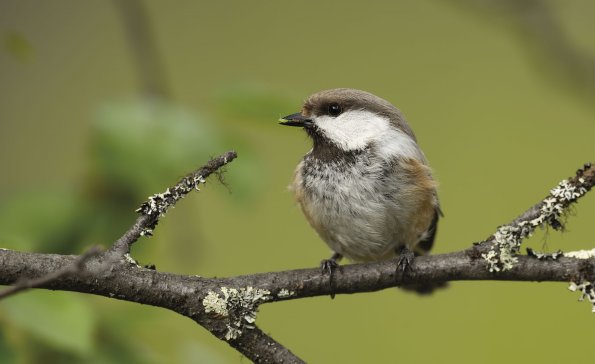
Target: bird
[(365, 186)]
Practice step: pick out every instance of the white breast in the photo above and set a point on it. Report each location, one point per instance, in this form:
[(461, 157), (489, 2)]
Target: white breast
[(347, 205)]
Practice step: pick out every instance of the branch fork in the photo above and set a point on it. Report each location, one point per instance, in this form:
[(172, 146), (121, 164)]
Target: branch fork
[(227, 307)]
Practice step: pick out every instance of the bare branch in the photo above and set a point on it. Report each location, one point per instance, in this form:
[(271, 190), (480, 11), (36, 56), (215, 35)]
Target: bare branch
[(75, 268)]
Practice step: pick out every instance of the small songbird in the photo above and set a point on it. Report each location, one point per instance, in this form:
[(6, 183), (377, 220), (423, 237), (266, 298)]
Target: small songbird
[(365, 186)]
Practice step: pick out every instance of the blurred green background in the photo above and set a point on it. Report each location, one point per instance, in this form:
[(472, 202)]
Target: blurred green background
[(105, 102)]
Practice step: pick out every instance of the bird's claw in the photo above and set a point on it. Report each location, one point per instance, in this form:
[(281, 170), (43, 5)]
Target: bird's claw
[(405, 259), (328, 266)]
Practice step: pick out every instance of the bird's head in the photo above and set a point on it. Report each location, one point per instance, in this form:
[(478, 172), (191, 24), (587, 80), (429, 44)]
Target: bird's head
[(352, 120)]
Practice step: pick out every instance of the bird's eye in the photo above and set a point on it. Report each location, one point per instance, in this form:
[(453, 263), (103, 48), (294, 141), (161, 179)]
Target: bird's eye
[(334, 109)]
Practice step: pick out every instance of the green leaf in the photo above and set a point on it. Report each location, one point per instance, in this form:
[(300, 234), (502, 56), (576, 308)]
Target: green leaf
[(62, 320), (39, 220), (18, 46), (145, 144), (7, 354)]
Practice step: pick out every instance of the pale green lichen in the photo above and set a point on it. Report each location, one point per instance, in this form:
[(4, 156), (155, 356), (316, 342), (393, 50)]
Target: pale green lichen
[(508, 238), (581, 254), (508, 242), (284, 293), (147, 232), (232, 333), (587, 290), (568, 192), (238, 305), (213, 303), (159, 203), (130, 260)]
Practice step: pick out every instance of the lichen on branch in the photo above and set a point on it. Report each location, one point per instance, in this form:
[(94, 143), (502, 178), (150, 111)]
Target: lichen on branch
[(238, 307), (158, 204), (506, 242)]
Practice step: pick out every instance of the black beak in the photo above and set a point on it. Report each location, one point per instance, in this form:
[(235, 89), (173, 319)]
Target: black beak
[(296, 119)]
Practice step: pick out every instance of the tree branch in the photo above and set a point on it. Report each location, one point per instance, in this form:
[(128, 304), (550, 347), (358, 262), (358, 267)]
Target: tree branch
[(157, 205), (76, 267), (227, 307)]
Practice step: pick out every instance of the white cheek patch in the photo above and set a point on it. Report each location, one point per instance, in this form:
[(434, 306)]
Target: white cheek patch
[(356, 129)]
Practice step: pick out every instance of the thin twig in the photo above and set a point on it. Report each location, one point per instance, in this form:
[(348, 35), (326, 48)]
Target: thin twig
[(157, 205)]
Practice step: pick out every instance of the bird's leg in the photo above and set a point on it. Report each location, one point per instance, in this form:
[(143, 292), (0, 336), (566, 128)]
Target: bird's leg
[(405, 257), (327, 266)]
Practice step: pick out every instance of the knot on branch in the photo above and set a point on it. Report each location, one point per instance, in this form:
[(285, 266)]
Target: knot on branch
[(237, 306)]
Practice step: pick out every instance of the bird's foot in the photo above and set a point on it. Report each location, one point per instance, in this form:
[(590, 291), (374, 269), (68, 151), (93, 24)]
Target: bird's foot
[(328, 266), (405, 257)]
